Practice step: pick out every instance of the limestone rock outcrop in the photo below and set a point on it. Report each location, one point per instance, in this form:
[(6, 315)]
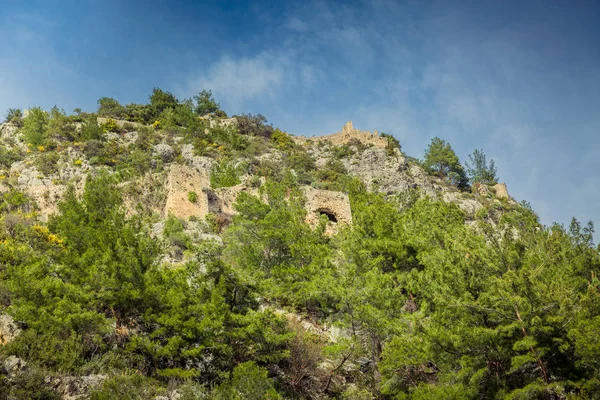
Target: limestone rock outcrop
[(222, 199), (8, 329), (120, 123), (181, 181)]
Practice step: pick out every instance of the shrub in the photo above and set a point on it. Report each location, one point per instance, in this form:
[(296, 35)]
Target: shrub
[(392, 143), (15, 116), (8, 157), (192, 197), (29, 385), (254, 125), (111, 108), (218, 222), (224, 174), (140, 113), (47, 163), (174, 234), (161, 100), (248, 382), (60, 126), (206, 104), (282, 140), (344, 151), (110, 126), (254, 181), (35, 126), (90, 129), (127, 387), (93, 148)]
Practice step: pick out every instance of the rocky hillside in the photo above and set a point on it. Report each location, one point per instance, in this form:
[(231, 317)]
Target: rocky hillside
[(167, 251)]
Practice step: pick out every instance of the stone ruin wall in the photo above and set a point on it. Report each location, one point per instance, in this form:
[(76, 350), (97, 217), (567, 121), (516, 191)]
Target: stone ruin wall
[(333, 204), (501, 191), (347, 135), (182, 180)]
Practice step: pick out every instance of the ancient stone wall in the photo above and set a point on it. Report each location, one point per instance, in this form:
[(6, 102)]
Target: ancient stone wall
[(335, 205), (347, 135), (222, 199), (182, 180), (501, 191)]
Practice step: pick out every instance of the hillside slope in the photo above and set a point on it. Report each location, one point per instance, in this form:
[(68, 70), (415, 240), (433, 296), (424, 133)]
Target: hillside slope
[(172, 255)]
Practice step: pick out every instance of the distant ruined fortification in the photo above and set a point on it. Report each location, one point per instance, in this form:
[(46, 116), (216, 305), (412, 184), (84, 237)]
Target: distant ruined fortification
[(348, 135), (182, 180)]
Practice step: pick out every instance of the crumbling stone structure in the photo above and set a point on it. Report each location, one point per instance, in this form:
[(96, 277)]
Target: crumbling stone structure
[(501, 191), (181, 181), (346, 136), (334, 205)]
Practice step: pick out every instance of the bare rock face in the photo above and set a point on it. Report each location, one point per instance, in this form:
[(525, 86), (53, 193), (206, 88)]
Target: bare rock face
[(390, 173), (469, 206), (501, 191), (483, 190), (75, 387), (14, 366), (164, 151), (8, 329), (8, 132), (335, 205), (42, 189), (222, 199), (198, 162), (181, 182)]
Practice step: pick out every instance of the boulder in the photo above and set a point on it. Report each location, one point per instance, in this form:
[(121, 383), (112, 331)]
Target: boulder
[(14, 366), (8, 329), (164, 151)]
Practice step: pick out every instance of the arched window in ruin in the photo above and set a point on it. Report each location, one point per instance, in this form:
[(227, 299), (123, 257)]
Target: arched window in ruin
[(330, 214)]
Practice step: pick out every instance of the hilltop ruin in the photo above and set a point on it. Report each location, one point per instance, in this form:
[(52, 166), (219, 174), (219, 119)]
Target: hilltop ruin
[(348, 135)]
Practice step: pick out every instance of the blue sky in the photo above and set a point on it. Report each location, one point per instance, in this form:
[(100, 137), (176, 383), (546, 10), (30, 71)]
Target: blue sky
[(518, 79)]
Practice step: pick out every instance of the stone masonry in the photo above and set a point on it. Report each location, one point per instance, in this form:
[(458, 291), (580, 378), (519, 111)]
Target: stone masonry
[(181, 181), (335, 205), (347, 135)]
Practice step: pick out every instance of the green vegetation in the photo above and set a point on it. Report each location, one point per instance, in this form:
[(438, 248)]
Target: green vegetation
[(206, 104), (35, 126), (15, 116), (225, 174), (192, 197), (392, 143), (442, 161), (479, 171), (408, 302)]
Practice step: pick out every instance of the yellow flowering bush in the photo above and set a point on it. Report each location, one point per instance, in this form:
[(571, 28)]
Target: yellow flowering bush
[(77, 162), (41, 149), (46, 235)]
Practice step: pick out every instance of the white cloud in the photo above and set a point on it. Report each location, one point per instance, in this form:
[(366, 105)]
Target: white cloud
[(236, 81), (297, 25)]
